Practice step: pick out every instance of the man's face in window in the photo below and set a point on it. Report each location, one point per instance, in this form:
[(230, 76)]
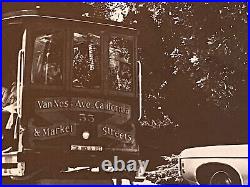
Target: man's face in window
[(54, 73)]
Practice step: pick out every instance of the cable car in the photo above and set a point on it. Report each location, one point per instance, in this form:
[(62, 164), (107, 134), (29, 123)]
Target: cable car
[(78, 91)]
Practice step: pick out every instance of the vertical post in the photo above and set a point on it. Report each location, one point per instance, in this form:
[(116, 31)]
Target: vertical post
[(20, 82), (140, 90)]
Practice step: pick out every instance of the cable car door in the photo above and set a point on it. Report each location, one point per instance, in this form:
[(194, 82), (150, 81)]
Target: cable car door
[(10, 164)]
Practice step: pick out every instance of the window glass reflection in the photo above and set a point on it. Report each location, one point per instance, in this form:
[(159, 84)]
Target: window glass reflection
[(120, 64), (86, 61), (47, 59)]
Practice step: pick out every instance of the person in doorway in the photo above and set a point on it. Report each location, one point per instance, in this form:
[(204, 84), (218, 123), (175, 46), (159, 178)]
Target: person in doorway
[(4, 96), (9, 116)]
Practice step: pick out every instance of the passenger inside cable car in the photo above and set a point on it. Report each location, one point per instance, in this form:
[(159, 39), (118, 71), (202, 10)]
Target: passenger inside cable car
[(47, 59)]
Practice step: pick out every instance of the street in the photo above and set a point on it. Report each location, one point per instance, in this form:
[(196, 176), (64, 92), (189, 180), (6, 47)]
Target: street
[(80, 181)]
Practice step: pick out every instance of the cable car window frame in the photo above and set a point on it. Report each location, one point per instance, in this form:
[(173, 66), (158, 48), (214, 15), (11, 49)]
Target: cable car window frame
[(36, 28)]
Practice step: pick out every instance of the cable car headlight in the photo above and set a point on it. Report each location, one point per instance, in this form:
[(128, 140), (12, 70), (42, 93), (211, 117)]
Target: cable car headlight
[(85, 135)]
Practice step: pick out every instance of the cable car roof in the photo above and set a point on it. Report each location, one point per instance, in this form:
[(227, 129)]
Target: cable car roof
[(36, 13)]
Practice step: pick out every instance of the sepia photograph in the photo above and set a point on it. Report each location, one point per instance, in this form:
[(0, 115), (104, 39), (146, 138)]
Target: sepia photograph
[(125, 93)]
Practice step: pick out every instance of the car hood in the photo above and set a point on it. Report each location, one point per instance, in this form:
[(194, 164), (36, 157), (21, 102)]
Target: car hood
[(216, 151)]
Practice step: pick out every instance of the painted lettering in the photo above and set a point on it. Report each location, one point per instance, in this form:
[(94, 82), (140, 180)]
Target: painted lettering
[(116, 134), (105, 130), (83, 103), (53, 131)]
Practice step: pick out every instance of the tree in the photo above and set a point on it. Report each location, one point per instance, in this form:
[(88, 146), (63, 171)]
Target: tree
[(195, 67)]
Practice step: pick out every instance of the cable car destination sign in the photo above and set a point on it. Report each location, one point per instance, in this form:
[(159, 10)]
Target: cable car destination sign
[(95, 105), (65, 114)]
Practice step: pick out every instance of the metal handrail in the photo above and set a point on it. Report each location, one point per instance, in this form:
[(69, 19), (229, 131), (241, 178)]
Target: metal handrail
[(140, 89)]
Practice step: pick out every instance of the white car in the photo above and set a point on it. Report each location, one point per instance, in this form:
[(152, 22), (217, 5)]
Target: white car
[(221, 164)]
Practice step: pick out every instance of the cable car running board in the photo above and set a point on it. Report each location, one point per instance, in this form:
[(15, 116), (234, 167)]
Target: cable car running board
[(10, 165)]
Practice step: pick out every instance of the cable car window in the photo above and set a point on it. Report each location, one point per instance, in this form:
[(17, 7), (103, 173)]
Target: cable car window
[(47, 59), (86, 61), (120, 64)]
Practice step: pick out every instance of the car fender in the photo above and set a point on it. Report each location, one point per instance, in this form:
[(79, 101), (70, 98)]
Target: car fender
[(190, 166)]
